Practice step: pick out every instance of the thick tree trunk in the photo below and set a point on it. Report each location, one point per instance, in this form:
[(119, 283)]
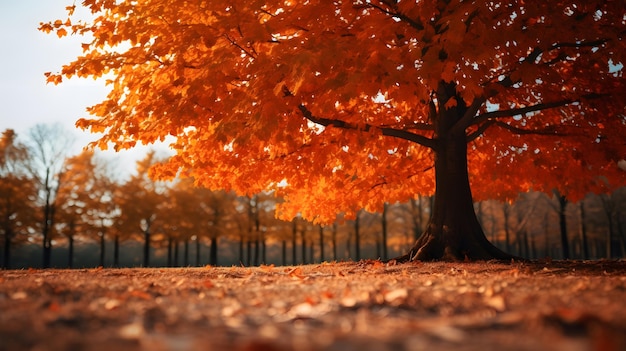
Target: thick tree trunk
[(453, 232)]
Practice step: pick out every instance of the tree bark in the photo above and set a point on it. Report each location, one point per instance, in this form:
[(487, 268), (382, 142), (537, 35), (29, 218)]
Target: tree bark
[(583, 231), (294, 241), (453, 232), (146, 248), (384, 226), (563, 223), (102, 247), (8, 235), (357, 238), (70, 252), (321, 243), (213, 252), (116, 251)]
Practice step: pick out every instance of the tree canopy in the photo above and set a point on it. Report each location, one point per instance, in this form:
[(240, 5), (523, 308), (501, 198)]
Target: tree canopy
[(341, 105)]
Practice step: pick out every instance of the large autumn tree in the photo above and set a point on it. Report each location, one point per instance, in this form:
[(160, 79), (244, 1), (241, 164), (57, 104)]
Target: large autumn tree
[(342, 105)]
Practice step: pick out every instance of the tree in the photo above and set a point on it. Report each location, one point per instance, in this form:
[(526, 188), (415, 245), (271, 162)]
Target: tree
[(141, 201), (49, 147), (85, 201), (17, 192), (346, 105)]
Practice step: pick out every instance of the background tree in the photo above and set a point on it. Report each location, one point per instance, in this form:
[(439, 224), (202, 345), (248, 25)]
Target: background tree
[(141, 201), (416, 94), (17, 192), (49, 147)]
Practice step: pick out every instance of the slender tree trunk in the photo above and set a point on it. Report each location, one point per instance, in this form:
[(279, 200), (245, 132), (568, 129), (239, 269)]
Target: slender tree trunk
[(198, 251), (256, 251), (583, 231), (186, 253), (8, 235), (241, 245), (116, 251), (334, 241), (563, 223), (357, 238), (303, 235), (146, 248), (213, 252), (176, 247), (384, 225), (453, 232), (102, 249), (506, 208), (70, 251), (284, 252), (248, 253), (321, 243), (416, 206), (294, 241), (263, 250), (170, 249)]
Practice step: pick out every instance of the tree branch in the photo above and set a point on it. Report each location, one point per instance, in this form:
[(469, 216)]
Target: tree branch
[(397, 133), (550, 130), (520, 111)]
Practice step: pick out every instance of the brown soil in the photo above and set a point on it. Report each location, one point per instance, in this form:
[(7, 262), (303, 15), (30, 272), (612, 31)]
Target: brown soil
[(336, 306)]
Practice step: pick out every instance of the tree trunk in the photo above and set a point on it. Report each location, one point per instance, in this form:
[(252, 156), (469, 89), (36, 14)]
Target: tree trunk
[(294, 241), (146, 248), (284, 252), (70, 252), (116, 251), (583, 231), (563, 223), (186, 253), (102, 243), (321, 244), (384, 225), (357, 238), (213, 252), (8, 235), (176, 253), (334, 241), (303, 234), (170, 244), (453, 232), (198, 251)]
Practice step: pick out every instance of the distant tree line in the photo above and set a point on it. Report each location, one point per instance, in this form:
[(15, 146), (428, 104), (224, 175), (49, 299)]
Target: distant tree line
[(52, 199)]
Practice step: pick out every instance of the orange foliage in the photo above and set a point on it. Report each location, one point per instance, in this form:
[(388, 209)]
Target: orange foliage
[(335, 104)]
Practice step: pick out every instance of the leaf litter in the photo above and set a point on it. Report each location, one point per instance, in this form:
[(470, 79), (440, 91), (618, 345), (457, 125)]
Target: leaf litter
[(367, 305)]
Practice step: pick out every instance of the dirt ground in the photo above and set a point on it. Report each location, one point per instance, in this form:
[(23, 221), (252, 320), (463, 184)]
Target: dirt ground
[(345, 306)]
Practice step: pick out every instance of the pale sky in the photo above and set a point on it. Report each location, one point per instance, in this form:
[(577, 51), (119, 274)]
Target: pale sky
[(25, 98)]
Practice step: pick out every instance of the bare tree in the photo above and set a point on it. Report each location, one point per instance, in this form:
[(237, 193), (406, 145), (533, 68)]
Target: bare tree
[(49, 146)]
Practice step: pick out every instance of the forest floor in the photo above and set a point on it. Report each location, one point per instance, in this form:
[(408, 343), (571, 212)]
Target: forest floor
[(361, 306)]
